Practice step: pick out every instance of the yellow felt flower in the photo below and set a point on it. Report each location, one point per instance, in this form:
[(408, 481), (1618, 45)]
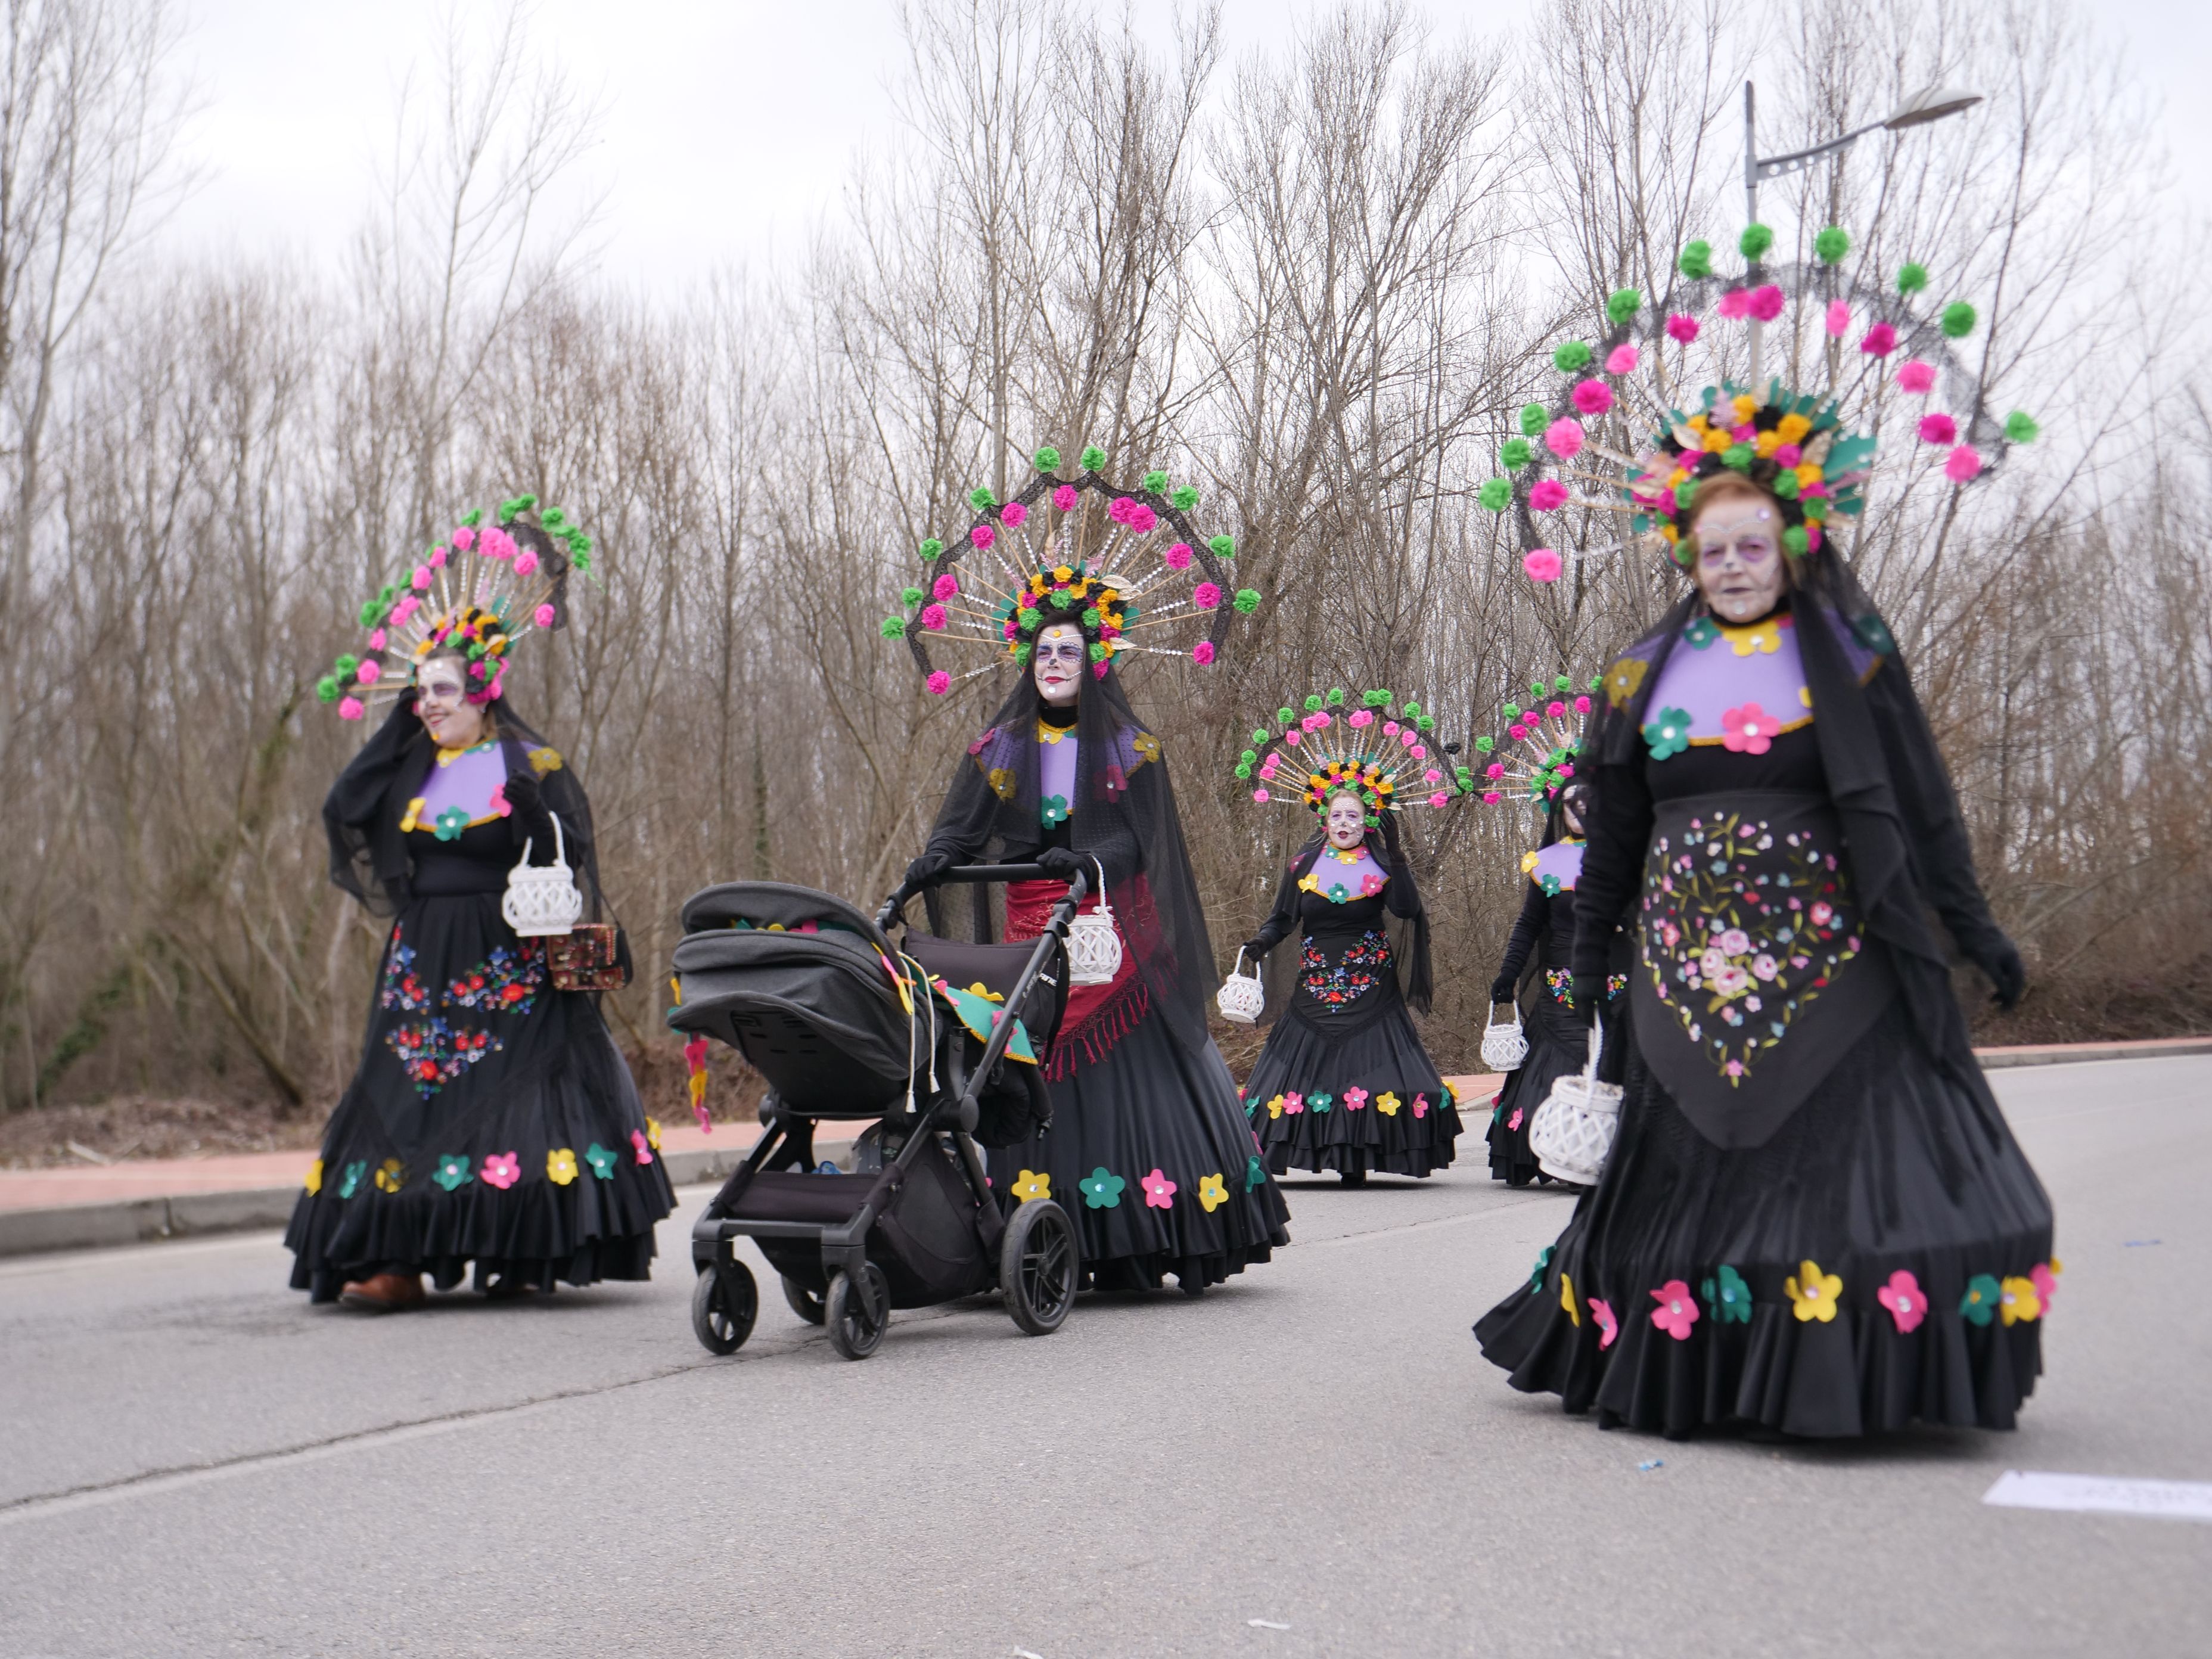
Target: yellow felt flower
[(1528, 862), (1768, 441), (313, 1181), (1809, 473), (653, 1132), (560, 1166), (1212, 1193), (1813, 1291), (1719, 442), (1033, 1184), (1792, 429), (1308, 883), (390, 1175), (1745, 405), (1275, 1107), (543, 760), (409, 824), (1670, 532), (1387, 1104), (1698, 423), (1061, 573), (1762, 637), (1626, 677), (1567, 1297), (980, 989), (2018, 1301)]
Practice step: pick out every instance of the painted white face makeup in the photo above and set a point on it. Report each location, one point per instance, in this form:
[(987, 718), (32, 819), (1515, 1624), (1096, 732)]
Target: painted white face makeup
[(1057, 663), (1740, 567), (441, 704), (1346, 822)]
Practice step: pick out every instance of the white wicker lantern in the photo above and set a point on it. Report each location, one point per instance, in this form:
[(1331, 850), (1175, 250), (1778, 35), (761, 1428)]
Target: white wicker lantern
[(541, 900), (1241, 998)]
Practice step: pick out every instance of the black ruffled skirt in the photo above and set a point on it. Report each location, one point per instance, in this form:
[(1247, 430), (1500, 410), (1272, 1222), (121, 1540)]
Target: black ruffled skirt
[(1559, 1045), (1884, 1259), (492, 1119), (1373, 1100), (1149, 1155)]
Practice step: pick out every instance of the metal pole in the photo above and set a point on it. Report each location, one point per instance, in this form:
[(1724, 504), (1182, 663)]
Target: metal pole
[(1750, 218)]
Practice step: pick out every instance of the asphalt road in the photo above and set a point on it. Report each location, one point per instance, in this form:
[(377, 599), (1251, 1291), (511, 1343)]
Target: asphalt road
[(198, 1462)]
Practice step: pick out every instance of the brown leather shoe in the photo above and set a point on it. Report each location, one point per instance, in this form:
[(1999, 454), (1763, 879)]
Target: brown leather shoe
[(384, 1293)]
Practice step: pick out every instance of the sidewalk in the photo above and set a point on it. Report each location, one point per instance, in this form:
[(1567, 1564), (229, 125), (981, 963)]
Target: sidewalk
[(135, 1202)]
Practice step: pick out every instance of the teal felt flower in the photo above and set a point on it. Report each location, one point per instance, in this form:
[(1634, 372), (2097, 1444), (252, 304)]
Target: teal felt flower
[(1701, 633), (1536, 1272), (355, 1173), (1727, 1296), (602, 1161), (1874, 634), (1669, 735), (1054, 809), (1101, 1190), (450, 823), (1320, 1102), (453, 1171), (1255, 1174), (1980, 1304), (1551, 886)]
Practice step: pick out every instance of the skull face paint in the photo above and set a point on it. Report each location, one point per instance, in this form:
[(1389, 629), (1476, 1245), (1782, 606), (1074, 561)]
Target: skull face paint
[(1346, 822), (1057, 663), (1739, 568)]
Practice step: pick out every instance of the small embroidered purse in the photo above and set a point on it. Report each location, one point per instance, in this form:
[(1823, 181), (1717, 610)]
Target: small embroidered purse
[(588, 958)]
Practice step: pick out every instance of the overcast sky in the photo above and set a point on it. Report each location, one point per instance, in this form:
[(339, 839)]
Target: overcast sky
[(730, 128)]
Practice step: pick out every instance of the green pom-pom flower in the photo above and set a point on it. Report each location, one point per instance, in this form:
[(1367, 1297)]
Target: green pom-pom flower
[(1785, 486), (1243, 769), (1412, 711), (1533, 419), (1831, 244), (1022, 653), (1958, 320), (1157, 482), (1562, 684), (1285, 716), (894, 627), (1246, 601), (1313, 702), (1098, 652), (1185, 496), (1513, 454), (1512, 712), (1684, 493), (1911, 277), (981, 499), (1047, 458), (580, 561), (1378, 698), (326, 689), (1484, 745), (1336, 696), (1091, 616), (1093, 457), (1621, 305), (371, 611), (931, 548), (2020, 427), (1796, 540), (1426, 722), (580, 546), (475, 518), (1248, 757), (1062, 599), (1224, 547), (1571, 358), (910, 596), (1696, 260), (1494, 493), (345, 665), (1755, 241), (1738, 456)]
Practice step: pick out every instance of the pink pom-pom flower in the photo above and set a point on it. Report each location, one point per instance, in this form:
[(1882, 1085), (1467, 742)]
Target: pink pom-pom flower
[(1064, 498), (1682, 328), (1542, 565), (1431, 775), (932, 618), (1788, 455), (370, 672), (1098, 669), (1291, 738), (1360, 717), (1546, 495), (1622, 360), (349, 708), (1438, 799), (1389, 728), (945, 586), (1766, 302), (1118, 509), (1938, 429), (1916, 376), (1203, 653), (496, 544), (421, 578), (376, 640), (463, 539), (437, 559), (1012, 514), (982, 535), (1142, 519), (1495, 769), (544, 616), (1880, 340), (1178, 556), (939, 683), (1564, 438), (1736, 302), (1582, 705), (1260, 795), (1490, 797), (525, 563), (1205, 596), (1593, 397), (1961, 464), (1840, 318)]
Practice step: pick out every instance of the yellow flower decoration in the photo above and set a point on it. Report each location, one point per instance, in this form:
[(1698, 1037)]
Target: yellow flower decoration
[(1275, 1107), (980, 989), (313, 1181), (1308, 883), (1146, 745), (1001, 780), (1033, 1184), (1792, 429), (1387, 1104), (1625, 680), (653, 1132), (1567, 1298), (1769, 441), (2018, 1301), (391, 1175), (1763, 637), (1528, 862), (1809, 473), (409, 824), (1212, 1193), (1061, 573), (1813, 1291), (560, 1166), (1719, 442), (543, 760), (1745, 405)]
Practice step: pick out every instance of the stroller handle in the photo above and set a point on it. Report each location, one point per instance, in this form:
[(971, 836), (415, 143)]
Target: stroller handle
[(973, 875)]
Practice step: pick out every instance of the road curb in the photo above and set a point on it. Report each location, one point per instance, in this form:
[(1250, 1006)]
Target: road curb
[(2082, 1053)]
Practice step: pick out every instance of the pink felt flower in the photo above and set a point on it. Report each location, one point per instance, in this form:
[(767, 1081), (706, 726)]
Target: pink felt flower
[(1788, 455), (437, 559), (1880, 340), (1360, 717), (525, 563), (1064, 498), (1916, 376), (1490, 797), (1963, 463), (543, 615), (1420, 1105), (1548, 494), (1682, 328), (1938, 429), (1294, 1104), (1593, 397), (932, 618), (496, 544), (1735, 303), (1437, 799), (1766, 302), (1012, 514), (1906, 1304), (1622, 360), (501, 1170), (1260, 795), (2044, 1275), (1582, 704), (1203, 653), (370, 672), (422, 578), (349, 708), (463, 539), (939, 683), (641, 1147), (1514, 1122), (1142, 519), (1432, 776), (982, 535), (1564, 438), (1159, 1191), (1677, 1310), (1206, 596), (1098, 669), (1118, 509), (1608, 1328), (1356, 1099), (1840, 318), (498, 801), (1177, 557), (1749, 730), (945, 586), (1291, 738)]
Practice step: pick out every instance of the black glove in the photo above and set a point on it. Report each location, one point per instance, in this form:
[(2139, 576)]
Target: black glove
[(529, 814), (1062, 863), (1503, 988), (926, 868), (1257, 949), (2000, 960), (1589, 997)]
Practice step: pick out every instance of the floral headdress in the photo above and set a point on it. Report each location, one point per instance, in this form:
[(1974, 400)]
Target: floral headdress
[(1375, 750), (477, 592), (1015, 572), (1622, 437), (1547, 736)]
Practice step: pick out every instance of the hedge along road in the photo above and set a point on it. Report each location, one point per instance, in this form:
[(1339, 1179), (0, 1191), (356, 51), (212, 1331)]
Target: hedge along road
[(1312, 1460)]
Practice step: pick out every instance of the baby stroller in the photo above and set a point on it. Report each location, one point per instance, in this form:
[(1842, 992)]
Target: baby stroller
[(847, 1026)]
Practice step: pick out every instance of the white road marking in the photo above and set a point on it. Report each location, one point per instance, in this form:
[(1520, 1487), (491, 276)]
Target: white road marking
[(2103, 1494)]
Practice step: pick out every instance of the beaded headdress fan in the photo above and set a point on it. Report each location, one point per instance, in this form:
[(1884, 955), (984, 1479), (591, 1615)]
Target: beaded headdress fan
[(1626, 436), (1046, 557), (478, 591), (1545, 739), (1375, 748)]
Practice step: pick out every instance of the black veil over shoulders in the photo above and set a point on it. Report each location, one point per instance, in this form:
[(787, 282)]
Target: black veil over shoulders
[(1123, 814), (1407, 918)]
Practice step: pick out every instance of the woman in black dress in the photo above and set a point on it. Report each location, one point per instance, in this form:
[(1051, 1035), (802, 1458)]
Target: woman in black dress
[(1814, 1220), (1343, 1083), (491, 1120)]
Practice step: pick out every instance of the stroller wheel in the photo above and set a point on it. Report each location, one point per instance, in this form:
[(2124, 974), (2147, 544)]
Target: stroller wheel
[(720, 1327), (810, 1305), (1040, 1265), (845, 1311)]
